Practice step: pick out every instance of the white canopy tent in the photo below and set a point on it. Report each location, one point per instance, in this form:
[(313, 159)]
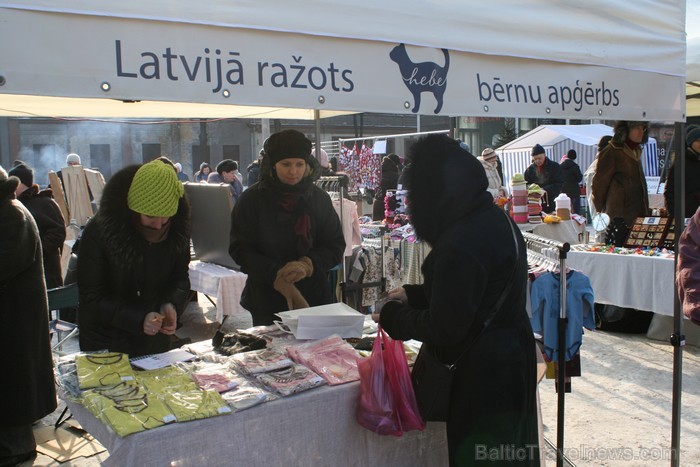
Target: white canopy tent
[(692, 88), (609, 59), (125, 59), (556, 140)]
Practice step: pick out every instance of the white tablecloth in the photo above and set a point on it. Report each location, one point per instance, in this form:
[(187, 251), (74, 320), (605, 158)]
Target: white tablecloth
[(314, 428), (631, 281), (223, 283)]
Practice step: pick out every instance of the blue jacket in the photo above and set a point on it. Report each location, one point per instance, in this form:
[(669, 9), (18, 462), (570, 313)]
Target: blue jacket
[(545, 300)]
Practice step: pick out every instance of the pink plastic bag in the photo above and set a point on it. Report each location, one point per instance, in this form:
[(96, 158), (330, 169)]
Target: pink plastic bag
[(402, 388), (387, 403)]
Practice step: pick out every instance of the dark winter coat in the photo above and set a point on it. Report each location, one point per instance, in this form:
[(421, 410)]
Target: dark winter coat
[(28, 392), (692, 184), (253, 173), (122, 277), (263, 240), (549, 179), (52, 230), (619, 187), (390, 177), (493, 397), (571, 176)]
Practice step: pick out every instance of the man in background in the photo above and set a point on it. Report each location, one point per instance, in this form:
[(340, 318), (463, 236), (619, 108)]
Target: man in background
[(48, 218), (547, 174)]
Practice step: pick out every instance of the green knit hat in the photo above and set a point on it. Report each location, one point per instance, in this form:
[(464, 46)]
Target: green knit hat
[(155, 190)]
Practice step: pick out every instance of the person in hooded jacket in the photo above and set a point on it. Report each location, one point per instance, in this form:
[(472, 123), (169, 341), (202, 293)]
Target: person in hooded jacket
[(692, 175), (133, 263), (49, 219), (464, 276), (28, 392), (619, 187), (285, 234), (572, 176), (203, 173), (391, 170)]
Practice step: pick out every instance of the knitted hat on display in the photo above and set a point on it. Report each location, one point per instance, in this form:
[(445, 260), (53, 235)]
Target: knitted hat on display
[(287, 144), (537, 149), (488, 154), (692, 134), (24, 173), (155, 190), (73, 158)]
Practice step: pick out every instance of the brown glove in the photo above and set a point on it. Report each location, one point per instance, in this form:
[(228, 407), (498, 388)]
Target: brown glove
[(290, 292), (295, 271)]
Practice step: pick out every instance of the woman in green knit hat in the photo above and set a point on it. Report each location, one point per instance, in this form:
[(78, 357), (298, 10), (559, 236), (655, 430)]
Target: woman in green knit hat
[(133, 263)]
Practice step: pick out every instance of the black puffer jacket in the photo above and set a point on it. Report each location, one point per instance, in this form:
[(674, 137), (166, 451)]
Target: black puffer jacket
[(122, 277), (472, 261), (29, 392)]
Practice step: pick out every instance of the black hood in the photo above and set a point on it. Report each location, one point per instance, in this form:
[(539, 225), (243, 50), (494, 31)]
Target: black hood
[(444, 182)]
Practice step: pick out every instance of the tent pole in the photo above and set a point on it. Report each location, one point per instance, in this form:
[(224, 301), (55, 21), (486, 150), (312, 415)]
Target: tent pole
[(677, 338), (317, 137)]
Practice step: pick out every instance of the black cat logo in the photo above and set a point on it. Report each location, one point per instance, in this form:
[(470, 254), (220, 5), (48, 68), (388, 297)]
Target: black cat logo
[(422, 77)]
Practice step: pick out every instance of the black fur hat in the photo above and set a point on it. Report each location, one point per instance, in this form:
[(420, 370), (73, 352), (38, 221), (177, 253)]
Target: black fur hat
[(287, 144), (622, 129)]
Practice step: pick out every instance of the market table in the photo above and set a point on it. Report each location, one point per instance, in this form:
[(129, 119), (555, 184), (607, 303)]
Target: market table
[(313, 428), (223, 283), (629, 281)]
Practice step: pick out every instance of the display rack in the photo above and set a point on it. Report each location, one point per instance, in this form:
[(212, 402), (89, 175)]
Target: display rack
[(336, 185), (537, 245)]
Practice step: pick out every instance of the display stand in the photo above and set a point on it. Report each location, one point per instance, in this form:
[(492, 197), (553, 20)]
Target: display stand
[(536, 244)]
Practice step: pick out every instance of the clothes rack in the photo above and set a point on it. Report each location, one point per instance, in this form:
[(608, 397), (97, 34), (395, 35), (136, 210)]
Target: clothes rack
[(336, 184), (537, 244), (382, 245)]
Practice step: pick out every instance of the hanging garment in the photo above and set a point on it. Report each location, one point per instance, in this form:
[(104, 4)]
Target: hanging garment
[(545, 300)]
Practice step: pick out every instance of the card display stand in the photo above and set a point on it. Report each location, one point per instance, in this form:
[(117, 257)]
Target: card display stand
[(651, 232)]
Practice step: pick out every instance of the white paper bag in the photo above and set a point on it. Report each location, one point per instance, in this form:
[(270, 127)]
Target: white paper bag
[(322, 321)]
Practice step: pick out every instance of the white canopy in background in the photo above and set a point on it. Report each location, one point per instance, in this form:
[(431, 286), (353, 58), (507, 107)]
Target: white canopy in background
[(558, 139), (568, 59), (692, 89)]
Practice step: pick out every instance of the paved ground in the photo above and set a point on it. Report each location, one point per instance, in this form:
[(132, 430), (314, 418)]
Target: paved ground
[(618, 413)]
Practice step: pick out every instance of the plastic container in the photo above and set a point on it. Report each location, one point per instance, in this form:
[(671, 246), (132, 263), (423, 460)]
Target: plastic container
[(563, 206)]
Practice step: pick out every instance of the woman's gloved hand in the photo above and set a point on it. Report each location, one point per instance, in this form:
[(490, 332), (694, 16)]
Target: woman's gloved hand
[(295, 271), (290, 292)]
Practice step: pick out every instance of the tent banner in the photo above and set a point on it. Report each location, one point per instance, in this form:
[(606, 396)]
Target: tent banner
[(133, 60)]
